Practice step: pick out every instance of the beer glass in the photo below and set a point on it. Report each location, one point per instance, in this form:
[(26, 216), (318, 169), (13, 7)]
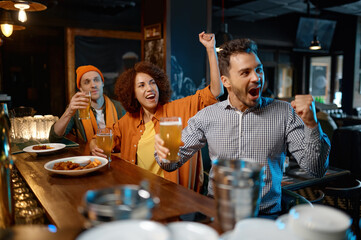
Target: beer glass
[(171, 133), (105, 141), (84, 113)]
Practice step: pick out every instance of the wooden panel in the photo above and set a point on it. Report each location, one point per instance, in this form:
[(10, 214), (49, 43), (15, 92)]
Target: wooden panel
[(70, 64), (71, 33), (107, 34)]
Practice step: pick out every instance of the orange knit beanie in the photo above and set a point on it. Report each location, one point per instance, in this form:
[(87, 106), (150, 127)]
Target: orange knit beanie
[(84, 69)]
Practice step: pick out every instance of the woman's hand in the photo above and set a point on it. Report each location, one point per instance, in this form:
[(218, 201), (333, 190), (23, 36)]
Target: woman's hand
[(159, 148), (207, 39), (95, 150)]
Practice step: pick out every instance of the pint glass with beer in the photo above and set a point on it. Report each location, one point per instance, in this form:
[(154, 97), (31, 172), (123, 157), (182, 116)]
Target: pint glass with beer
[(105, 141), (84, 113), (171, 133)]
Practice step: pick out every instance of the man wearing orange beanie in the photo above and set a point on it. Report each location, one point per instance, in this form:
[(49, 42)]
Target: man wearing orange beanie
[(104, 111)]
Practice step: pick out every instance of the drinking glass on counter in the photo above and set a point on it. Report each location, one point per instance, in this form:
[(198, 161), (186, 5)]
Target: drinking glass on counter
[(28, 128), (171, 133), (49, 121), (39, 127), (105, 141), (36, 128), (84, 113)]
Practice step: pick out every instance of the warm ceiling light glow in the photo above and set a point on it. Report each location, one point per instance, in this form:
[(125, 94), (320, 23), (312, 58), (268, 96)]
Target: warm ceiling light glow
[(22, 6), (22, 14), (7, 29), (315, 44), (315, 47)]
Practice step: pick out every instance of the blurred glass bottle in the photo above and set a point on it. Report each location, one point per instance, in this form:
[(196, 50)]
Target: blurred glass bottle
[(6, 165), (5, 109)]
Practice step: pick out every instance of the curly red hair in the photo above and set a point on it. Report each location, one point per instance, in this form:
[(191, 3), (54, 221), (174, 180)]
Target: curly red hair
[(124, 87)]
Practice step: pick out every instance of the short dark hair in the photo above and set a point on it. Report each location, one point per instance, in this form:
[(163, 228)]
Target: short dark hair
[(242, 45), (124, 87)]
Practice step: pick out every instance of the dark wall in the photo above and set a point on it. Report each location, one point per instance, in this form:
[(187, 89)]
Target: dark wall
[(153, 11), (33, 69), (188, 55), (89, 14), (276, 32), (33, 60), (345, 41), (279, 34)]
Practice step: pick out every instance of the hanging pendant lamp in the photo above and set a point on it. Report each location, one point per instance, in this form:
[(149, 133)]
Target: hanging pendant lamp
[(315, 43), (8, 25), (22, 7)]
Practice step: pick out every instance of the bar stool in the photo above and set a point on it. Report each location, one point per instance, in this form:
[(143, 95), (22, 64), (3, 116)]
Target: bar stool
[(312, 194), (290, 199), (347, 192)]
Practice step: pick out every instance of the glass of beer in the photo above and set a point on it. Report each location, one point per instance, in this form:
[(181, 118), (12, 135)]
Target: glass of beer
[(84, 113), (105, 141), (171, 133)]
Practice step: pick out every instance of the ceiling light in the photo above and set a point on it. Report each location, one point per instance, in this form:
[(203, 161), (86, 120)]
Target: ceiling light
[(7, 29), (8, 25), (315, 44), (22, 7), (33, 6)]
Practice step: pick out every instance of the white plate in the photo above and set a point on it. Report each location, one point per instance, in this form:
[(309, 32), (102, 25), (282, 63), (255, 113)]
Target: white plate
[(283, 223), (192, 231), (127, 230), (259, 228), (81, 159), (226, 236), (55, 147), (318, 222)]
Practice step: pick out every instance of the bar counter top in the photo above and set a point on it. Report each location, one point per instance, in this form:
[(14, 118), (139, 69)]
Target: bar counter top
[(61, 196)]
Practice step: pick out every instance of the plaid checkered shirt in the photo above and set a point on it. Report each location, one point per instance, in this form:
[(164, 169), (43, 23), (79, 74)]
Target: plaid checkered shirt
[(263, 133)]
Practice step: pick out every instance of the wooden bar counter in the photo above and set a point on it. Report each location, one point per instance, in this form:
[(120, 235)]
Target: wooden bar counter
[(61, 196)]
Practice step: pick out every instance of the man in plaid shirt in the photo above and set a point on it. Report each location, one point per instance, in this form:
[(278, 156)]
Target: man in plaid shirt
[(247, 125)]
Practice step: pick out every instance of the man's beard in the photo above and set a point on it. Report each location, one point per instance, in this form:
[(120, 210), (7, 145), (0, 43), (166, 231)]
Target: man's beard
[(243, 99)]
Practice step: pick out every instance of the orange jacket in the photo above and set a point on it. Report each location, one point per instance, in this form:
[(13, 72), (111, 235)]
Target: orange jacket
[(91, 126), (129, 129)]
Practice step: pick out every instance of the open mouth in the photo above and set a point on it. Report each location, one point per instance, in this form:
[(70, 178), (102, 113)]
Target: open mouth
[(150, 97), (254, 92)]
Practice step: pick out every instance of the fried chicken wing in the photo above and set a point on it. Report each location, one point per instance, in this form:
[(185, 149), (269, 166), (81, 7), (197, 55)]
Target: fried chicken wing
[(69, 165)]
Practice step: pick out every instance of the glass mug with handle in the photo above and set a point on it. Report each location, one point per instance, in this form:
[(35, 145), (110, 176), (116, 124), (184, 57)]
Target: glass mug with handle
[(84, 113), (104, 140), (171, 133)]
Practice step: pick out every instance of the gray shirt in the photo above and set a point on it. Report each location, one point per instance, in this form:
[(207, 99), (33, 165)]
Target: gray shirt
[(263, 133)]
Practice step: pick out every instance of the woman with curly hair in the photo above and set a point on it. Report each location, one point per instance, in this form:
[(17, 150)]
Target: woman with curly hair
[(145, 92)]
